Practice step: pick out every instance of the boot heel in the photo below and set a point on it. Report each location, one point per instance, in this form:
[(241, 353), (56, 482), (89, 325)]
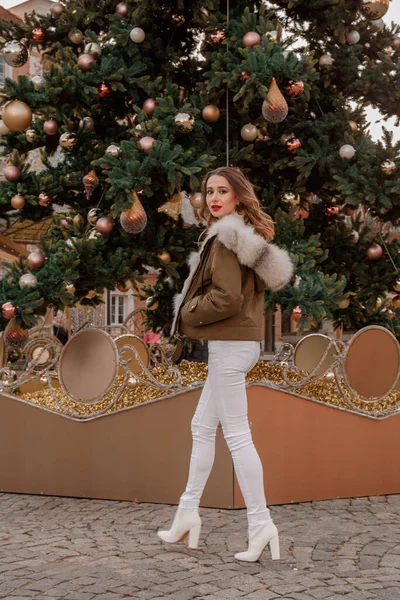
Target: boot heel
[(274, 547), (194, 535)]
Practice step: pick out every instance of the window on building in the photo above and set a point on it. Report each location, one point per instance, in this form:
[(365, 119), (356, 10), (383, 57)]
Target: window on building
[(117, 312), (2, 70)]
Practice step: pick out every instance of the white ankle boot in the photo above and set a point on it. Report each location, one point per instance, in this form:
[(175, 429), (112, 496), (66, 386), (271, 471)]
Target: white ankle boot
[(186, 521), (259, 537)]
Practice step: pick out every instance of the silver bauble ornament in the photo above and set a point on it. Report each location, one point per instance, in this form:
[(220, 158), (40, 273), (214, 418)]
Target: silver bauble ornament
[(15, 53), (30, 135), (93, 215), (113, 150), (75, 36), (184, 122), (68, 141), (86, 124), (93, 49), (38, 82), (249, 132), (353, 37), (388, 167), (326, 60), (137, 35), (347, 151), (27, 280)]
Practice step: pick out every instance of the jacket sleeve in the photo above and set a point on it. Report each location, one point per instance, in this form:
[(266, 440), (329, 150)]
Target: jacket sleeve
[(225, 299)]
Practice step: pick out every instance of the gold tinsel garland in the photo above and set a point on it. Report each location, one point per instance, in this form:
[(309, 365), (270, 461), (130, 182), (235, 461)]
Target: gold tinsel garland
[(263, 372)]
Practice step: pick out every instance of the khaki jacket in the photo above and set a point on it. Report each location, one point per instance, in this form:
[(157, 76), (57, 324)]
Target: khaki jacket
[(223, 296)]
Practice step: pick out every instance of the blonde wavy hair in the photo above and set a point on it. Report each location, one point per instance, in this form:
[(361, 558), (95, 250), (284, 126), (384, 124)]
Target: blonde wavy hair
[(249, 205)]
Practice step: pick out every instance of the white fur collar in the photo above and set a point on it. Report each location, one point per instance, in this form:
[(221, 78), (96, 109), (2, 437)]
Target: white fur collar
[(271, 263)]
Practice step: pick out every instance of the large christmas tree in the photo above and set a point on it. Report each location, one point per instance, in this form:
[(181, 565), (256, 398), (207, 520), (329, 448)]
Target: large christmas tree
[(140, 98)]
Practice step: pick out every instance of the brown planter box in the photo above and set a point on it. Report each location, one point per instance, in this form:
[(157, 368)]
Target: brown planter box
[(310, 451)]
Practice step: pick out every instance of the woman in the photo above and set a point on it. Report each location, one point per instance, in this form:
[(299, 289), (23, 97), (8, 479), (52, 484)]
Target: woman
[(222, 301)]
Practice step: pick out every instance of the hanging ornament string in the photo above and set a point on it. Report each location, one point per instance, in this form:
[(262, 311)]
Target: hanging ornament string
[(227, 87), (388, 253)]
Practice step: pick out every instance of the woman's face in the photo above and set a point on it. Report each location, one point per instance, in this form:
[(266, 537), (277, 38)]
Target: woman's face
[(220, 196)]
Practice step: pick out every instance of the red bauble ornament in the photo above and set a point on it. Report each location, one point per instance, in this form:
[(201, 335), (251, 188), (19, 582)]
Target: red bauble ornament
[(296, 314), (104, 90), (146, 143), (51, 127), (292, 145), (250, 39), (36, 260), (294, 88), (85, 62), (244, 76), (14, 336), (44, 199), (38, 35), (331, 211), (149, 106), (374, 252), (104, 225), (8, 310), (12, 173), (217, 37), (122, 288)]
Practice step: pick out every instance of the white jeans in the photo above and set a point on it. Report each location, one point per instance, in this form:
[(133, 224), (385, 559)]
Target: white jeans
[(224, 400)]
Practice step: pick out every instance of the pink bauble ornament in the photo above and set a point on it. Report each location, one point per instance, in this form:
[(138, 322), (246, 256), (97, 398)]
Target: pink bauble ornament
[(149, 106), (85, 62), (146, 143), (12, 173), (374, 252), (50, 126), (121, 9), (250, 39), (36, 260), (104, 225)]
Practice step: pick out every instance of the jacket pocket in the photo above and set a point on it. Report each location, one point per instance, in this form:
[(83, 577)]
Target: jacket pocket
[(188, 310)]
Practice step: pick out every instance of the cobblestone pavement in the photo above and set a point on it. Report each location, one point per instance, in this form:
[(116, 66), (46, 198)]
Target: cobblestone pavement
[(73, 549)]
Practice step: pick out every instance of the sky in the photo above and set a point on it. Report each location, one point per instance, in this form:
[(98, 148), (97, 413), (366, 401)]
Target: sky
[(373, 116)]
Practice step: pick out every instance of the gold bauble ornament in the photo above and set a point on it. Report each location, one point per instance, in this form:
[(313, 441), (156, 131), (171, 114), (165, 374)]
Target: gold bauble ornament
[(18, 201), (196, 200), (68, 141), (134, 220), (151, 303), (210, 113), (353, 126), (173, 207), (164, 257), (344, 303), (294, 88), (330, 376), (291, 199), (396, 301), (396, 285), (388, 167), (90, 181), (76, 36), (378, 303), (274, 108), (68, 287), (374, 9), (44, 199), (56, 9), (17, 115)]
